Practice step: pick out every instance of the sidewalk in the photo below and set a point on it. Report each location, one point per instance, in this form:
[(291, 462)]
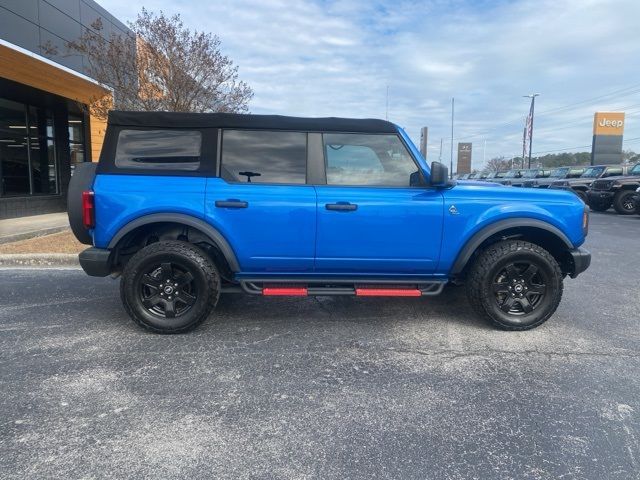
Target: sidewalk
[(14, 229)]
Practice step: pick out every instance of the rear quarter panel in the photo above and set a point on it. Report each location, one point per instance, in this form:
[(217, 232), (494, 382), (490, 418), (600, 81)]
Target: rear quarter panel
[(480, 206), (120, 199)]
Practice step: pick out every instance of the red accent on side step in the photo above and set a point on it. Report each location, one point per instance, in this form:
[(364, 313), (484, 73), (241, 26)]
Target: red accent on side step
[(284, 291), (388, 292)]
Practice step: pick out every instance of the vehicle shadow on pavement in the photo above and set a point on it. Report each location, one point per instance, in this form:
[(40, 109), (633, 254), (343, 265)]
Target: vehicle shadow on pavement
[(450, 306)]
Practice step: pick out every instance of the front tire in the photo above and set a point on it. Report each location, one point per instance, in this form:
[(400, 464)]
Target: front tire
[(169, 287), (516, 285), (623, 202), (582, 195)]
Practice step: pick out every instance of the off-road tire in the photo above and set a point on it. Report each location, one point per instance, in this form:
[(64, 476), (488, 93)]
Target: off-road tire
[(622, 198), (182, 257), (582, 195), (488, 265)]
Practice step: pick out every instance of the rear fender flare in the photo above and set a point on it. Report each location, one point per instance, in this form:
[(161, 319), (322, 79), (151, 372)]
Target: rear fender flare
[(479, 237), (214, 235)]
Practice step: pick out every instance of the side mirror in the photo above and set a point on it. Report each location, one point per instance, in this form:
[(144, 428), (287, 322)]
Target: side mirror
[(439, 175)]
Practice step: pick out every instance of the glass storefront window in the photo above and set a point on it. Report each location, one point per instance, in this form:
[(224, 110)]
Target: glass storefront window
[(76, 140), (28, 163)]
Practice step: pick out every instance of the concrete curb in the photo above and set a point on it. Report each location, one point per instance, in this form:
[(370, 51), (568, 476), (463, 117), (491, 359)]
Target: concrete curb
[(33, 234), (9, 260)]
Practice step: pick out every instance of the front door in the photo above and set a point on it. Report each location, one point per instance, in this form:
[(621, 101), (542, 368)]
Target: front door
[(261, 202), (370, 219)]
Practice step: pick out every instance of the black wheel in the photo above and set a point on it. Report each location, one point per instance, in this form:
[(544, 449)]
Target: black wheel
[(170, 287), (623, 202), (597, 206), (516, 285), (582, 195)]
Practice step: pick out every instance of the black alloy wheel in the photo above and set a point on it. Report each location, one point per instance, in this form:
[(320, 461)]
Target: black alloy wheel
[(519, 288), (623, 202), (168, 290)]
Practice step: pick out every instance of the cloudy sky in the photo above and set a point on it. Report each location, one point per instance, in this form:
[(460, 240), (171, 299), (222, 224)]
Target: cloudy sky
[(323, 57)]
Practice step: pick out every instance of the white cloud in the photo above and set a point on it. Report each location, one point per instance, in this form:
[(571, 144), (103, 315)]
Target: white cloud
[(327, 57)]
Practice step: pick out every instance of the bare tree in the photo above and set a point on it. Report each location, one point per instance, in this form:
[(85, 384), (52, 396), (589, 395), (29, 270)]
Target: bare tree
[(165, 67), (497, 163)]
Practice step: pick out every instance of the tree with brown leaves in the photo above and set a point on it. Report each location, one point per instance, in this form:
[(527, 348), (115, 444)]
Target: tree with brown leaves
[(166, 67)]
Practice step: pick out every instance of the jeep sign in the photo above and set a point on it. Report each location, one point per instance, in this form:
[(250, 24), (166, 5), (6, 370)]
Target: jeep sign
[(608, 128)]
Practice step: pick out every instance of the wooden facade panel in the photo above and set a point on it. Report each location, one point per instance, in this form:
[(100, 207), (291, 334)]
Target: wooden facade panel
[(28, 70)]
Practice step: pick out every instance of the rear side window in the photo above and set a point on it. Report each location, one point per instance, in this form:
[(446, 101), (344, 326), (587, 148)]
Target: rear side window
[(367, 159), (251, 156), (159, 149)]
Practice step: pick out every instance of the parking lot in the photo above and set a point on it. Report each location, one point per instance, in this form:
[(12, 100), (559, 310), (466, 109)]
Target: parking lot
[(331, 387)]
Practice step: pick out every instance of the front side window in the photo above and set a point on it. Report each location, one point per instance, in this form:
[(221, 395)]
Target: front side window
[(635, 170), (159, 149), (367, 159), (258, 156)]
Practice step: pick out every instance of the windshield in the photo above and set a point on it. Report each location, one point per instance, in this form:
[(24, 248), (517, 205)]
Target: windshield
[(559, 172), (635, 170), (511, 174), (593, 172), (530, 173)]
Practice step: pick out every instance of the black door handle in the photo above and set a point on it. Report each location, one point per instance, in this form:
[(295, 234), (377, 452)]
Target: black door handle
[(342, 206), (231, 204)]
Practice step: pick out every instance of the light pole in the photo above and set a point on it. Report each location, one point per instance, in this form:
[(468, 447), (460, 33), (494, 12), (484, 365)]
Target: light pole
[(451, 159), (530, 122)]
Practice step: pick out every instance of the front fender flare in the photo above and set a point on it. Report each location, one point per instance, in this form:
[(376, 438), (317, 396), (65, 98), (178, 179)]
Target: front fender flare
[(214, 235), (476, 240)]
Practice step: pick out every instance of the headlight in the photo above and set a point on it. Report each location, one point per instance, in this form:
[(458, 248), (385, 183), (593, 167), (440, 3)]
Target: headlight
[(616, 185), (638, 190)]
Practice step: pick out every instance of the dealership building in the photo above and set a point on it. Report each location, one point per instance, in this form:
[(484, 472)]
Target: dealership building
[(45, 124)]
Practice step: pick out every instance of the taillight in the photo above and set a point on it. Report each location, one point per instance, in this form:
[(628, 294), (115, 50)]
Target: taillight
[(88, 209)]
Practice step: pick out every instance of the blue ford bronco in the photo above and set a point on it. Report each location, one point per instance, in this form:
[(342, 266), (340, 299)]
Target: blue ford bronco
[(184, 207)]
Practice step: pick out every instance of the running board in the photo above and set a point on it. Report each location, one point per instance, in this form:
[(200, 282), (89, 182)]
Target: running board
[(358, 290)]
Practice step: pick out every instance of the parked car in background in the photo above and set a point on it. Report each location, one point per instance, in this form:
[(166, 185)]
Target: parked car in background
[(530, 174), (495, 176), (555, 174), (184, 207), (619, 191), (580, 185), (510, 176)]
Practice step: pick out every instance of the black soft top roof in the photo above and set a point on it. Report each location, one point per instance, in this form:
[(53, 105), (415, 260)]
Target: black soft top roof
[(235, 120)]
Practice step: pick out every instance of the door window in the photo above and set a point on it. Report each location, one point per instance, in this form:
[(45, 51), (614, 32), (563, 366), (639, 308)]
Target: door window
[(252, 156), (367, 159)]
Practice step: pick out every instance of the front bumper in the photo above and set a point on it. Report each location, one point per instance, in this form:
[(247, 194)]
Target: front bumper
[(96, 262), (579, 261), (600, 196)]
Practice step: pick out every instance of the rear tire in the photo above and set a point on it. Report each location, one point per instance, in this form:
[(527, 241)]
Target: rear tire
[(169, 287), (516, 285), (623, 202)]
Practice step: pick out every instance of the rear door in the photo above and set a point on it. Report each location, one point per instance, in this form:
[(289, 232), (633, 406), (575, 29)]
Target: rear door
[(371, 220), (261, 202)]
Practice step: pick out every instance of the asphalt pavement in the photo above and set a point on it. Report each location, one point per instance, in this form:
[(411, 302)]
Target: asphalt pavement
[(331, 388)]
